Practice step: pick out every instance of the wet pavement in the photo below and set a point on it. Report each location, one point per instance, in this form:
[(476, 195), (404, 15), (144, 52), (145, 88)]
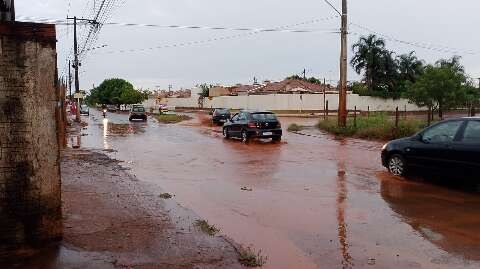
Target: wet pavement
[(315, 202)]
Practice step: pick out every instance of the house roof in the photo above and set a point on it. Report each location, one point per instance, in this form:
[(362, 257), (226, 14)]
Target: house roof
[(290, 85)]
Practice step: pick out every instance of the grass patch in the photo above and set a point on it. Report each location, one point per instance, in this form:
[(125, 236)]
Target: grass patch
[(206, 227), (376, 127), (165, 196), (172, 118), (250, 258), (295, 127)]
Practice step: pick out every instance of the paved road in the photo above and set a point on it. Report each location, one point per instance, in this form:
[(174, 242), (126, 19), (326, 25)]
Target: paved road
[(316, 202)]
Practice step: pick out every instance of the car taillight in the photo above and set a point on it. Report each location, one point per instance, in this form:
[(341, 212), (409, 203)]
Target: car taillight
[(279, 125), (252, 125)]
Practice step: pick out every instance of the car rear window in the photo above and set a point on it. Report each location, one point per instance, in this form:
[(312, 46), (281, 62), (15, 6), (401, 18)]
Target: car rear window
[(138, 109), (264, 116), (221, 111)]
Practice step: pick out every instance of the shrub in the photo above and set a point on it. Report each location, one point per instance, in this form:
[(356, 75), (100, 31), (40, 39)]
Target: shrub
[(294, 127), (250, 258), (172, 118), (378, 127)]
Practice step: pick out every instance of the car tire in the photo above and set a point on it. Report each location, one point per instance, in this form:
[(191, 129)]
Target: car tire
[(226, 135), (245, 138), (397, 165), (129, 119), (277, 139)]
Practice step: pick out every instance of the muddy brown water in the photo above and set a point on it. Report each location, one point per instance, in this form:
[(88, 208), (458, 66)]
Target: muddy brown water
[(315, 202)]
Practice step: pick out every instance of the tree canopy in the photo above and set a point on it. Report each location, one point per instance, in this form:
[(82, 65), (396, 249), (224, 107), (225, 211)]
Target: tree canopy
[(442, 86), (116, 91), (384, 73)]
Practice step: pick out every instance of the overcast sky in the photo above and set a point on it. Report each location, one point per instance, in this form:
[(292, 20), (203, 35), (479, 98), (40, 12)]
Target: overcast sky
[(273, 56)]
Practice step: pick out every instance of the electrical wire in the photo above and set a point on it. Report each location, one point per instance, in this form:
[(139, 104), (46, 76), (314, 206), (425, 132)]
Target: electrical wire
[(432, 47)]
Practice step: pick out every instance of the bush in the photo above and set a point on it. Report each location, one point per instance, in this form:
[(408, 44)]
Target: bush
[(172, 118), (294, 127), (377, 127)]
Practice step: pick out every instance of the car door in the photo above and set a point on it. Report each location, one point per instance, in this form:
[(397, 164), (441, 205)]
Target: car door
[(242, 122), (233, 125), (431, 150), (465, 153)]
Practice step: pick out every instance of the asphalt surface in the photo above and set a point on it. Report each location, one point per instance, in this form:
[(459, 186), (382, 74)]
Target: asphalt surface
[(310, 201)]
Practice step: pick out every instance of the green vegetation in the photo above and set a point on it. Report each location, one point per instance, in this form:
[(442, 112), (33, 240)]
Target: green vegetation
[(443, 86), (378, 126), (206, 227), (172, 118), (311, 79), (205, 93), (294, 127), (165, 196), (250, 258), (116, 92), (383, 74)]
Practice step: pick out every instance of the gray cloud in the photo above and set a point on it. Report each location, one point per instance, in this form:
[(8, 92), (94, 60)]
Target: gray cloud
[(264, 55)]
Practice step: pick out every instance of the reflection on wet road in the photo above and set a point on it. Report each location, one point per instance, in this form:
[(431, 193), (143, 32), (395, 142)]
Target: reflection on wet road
[(315, 202)]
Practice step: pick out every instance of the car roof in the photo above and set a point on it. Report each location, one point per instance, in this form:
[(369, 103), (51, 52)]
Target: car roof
[(253, 111)]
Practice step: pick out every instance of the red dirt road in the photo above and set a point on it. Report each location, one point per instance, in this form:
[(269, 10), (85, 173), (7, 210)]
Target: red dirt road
[(315, 202)]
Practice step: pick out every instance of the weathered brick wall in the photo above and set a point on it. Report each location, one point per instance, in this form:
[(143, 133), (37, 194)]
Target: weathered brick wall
[(30, 193)]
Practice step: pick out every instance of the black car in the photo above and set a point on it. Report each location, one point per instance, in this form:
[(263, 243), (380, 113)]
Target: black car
[(448, 147), (137, 113), (253, 124), (220, 116)]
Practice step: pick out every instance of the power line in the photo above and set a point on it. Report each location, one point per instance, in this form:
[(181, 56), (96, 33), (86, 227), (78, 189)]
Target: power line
[(333, 7), (433, 47), (204, 41)]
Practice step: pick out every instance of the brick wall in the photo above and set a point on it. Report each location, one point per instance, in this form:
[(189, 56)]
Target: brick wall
[(30, 193)]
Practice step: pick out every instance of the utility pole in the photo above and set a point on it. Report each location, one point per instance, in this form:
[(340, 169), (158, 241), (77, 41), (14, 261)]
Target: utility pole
[(305, 74), (342, 104), (7, 10), (76, 64), (325, 96), (70, 79)]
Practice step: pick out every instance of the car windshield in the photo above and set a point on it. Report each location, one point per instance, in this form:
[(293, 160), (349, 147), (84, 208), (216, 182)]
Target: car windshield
[(264, 116), (138, 109)]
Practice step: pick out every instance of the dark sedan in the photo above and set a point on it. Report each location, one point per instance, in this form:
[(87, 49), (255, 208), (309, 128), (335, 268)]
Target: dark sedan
[(220, 116), (253, 124), (451, 146)]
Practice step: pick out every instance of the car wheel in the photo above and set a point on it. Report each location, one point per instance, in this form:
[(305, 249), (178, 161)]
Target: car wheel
[(129, 119), (225, 133), (397, 165), (277, 139), (245, 137)]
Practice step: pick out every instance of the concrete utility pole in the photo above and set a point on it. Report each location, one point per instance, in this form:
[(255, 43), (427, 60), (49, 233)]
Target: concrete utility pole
[(77, 82), (70, 79), (76, 63), (7, 10), (342, 103)]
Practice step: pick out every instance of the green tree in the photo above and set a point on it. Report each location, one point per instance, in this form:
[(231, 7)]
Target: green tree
[(442, 86), (205, 93), (116, 92), (369, 58)]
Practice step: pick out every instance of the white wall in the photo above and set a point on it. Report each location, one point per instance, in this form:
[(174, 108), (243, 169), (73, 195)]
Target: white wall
[(294, 102)]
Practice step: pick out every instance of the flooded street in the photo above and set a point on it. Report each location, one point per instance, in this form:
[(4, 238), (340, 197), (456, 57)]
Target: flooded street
[(308, 202)]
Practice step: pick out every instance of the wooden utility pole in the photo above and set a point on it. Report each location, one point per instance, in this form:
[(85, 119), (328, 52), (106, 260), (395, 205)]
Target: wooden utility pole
[(325, 98), (342, 103)]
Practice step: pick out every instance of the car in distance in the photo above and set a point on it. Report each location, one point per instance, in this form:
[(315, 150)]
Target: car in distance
[(448, 147), (84, 110), (220, 116), (253, 124), (137, 112)]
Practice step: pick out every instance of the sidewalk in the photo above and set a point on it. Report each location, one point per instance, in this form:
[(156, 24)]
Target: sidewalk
[(111, 220)]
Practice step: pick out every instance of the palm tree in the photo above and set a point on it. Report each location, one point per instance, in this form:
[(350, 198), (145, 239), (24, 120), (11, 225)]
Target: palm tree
[(368, 57), (409, 66)]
